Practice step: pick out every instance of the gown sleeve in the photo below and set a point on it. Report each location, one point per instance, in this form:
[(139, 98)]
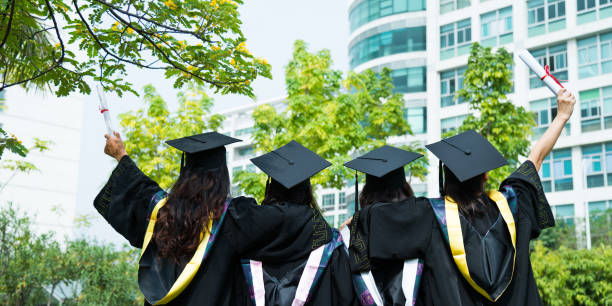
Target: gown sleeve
[(531, 199), (390, 231), (124, 201)]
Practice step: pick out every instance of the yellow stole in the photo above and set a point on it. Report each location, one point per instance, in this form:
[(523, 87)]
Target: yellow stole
[(191, 268), (455, 236)]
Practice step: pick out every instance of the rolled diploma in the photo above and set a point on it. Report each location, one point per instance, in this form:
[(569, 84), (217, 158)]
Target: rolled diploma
[(105, 112), (535, 66)]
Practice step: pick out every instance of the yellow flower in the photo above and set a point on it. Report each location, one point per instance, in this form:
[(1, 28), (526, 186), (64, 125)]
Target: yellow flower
[(170, 4), (247, 82), (57, 45), (130, 30), (215, 48), (233, 62)]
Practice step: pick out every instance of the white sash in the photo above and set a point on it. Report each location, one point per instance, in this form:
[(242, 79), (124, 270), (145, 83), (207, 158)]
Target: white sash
[(304, 285)]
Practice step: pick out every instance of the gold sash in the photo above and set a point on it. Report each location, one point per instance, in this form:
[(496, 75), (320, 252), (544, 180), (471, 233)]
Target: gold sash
[(455, 236), (191, 268)]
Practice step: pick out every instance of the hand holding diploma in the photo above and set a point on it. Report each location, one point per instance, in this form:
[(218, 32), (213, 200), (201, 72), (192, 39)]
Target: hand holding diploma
[(542, 72), (114, 146)]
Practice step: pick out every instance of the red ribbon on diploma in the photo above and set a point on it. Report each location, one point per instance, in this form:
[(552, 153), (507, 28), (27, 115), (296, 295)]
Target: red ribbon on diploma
[(547, 69), (102, 110)]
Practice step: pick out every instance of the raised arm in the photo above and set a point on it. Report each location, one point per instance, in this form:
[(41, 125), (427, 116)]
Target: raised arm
[(565, 102), (114, 146)]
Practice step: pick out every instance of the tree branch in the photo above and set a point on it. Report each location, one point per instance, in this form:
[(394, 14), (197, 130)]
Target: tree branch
[(8, 25)]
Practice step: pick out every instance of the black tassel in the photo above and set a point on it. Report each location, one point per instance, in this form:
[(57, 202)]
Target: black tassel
[(441, 179), (182, 161), (267, 187), (356, 191)]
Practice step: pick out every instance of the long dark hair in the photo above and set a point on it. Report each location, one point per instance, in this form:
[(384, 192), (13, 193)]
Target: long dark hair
[(299, 194), (198, 195), (371, 194), (468, 194)]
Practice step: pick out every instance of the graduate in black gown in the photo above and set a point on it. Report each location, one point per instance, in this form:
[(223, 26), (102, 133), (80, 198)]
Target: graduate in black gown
[(475, 244), (194, 237), (305, 263), (388, 283)]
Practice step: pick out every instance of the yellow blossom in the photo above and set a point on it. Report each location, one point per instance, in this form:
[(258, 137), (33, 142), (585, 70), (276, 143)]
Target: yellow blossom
[(170, 4), (215, 48), (130, 30), (57, 45), (233, 62)]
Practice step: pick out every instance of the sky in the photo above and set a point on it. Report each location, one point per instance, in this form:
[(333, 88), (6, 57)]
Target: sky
[(271, 27)]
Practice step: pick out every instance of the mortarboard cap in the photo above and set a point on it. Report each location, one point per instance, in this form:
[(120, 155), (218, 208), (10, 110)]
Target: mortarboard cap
[(383, 167), (206, 150), (467, 155), (290, 164)]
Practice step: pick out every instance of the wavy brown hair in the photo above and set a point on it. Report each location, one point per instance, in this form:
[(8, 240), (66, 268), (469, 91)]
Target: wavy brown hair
[(198, 195), (371, 194), (468, 194), (299, 194)]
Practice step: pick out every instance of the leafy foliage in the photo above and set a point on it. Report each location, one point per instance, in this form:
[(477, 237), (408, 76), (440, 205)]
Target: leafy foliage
[(35, 268), (17, 166), (148, 128), (487, 81), (573, 277), (332, 116), (191, 40)]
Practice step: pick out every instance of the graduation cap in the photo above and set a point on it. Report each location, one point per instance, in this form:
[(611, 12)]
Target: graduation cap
[(383, 167), (290, 164), (466, 155), (206, 150)]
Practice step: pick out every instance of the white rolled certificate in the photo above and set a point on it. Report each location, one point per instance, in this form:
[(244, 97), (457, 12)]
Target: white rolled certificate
[(535, 66), (104, 110)]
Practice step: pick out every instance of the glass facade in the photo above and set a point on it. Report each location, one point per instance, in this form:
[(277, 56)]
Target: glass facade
[(369, 10), (451, 124), (245, 131), (597, 161), (545, 16), (556, 59), (595, 55), (328, 202), (417, 119), (455, 38), (596, 109), (556, 171), (496, 27), (450, 82), (407, 80), (387, 43), (451, 5), (244, 153), (591, 10), (600, 221), (564, 213), (545, 111)]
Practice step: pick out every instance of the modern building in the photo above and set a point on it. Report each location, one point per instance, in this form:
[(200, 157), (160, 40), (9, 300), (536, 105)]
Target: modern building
[(427, 43)]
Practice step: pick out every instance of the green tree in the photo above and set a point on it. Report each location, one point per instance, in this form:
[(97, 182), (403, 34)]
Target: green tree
[(17, 166), (148, 128), (36, 269), (487, 82), (335, 117), (191, 40)]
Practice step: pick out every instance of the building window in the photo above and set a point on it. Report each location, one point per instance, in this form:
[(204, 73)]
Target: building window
[(328, 201), (545, 13), (407, 80), (341, 200), (236, 170), (591, 10), (545, 111), (557, 174), (596, 109), (556, 58), (496, 27), (451, 5), (330, 220), (417, 119), (450, 82), (243, 132), (564, 213), (387, 43), (451, 124), (369, 10), (455, 38), (595, 55), (600, 221), (597, 161), (243, 153), (250, 168)]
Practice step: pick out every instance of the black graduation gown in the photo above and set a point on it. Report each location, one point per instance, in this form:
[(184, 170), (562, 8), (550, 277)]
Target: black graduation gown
[(125, 204), (388, 232), (285, 247)]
